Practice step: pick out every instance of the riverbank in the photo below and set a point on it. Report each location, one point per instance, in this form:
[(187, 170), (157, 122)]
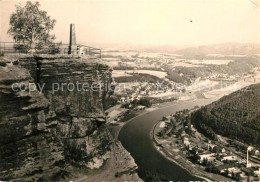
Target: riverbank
[(115, 127), (136, 138), (175, 156), (176, 105), (135, 133), (121, 162), (120, 166)]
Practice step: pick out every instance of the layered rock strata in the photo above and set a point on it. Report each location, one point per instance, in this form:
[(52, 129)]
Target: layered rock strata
[(42, 133)]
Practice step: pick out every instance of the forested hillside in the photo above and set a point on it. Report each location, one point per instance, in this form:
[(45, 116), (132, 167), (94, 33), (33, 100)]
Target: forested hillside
[(236, 116)]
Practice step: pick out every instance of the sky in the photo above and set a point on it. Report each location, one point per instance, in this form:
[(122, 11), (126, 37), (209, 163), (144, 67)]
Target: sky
[(149, 22)]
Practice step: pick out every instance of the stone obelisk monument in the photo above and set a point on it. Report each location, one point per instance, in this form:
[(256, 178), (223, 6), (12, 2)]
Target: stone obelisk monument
[(72, 44)]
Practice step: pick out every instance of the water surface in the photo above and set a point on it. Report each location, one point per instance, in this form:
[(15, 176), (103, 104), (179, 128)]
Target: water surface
[(135, 137)]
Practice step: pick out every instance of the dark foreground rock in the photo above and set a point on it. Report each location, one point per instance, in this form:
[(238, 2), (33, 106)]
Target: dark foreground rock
[(43, 135)]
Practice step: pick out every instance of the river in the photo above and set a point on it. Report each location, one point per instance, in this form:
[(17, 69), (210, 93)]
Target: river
[(136, 138)]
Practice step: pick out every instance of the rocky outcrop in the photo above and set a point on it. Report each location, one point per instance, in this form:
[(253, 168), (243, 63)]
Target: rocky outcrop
[(29, 148), (42, 133), (74, 87)]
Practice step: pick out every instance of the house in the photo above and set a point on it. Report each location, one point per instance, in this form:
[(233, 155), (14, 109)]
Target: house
[(222, 168), (257, 172), (223, 150), (234, 170), (183, 134), (242, 177), (211, 146), (192, 128), (229, 158), (140, 107), (207, 156), (186, 141), (122, 99), (227, 168), (143, 92)]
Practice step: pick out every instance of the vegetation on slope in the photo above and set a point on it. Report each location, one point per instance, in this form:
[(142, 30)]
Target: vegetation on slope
[(238, 66), (140, 77), (236, 116)]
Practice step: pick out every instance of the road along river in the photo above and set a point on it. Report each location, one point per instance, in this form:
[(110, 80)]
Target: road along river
[(136, 137)]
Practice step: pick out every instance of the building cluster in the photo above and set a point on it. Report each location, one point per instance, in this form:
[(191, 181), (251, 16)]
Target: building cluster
[(220, 157), (142, 89), (221, 160)]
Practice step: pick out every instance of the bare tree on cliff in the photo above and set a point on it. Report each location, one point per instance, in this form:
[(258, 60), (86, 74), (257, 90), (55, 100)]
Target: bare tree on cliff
[(30, 28)]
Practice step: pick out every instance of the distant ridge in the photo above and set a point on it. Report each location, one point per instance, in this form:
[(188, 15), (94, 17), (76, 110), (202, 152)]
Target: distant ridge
[(225, 49)]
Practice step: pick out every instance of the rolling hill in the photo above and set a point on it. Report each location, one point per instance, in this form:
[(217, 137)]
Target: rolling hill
[(224, 49)]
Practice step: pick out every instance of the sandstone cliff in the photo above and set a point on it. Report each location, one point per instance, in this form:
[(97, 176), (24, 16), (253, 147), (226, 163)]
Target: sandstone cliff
[(43, 135), (28, 147)]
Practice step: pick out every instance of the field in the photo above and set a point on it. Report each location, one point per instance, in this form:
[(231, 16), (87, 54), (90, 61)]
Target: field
[(120, 73), (208, 61)]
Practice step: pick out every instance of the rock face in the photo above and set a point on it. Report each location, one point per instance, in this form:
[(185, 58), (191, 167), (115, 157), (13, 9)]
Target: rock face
[(42, 133)]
